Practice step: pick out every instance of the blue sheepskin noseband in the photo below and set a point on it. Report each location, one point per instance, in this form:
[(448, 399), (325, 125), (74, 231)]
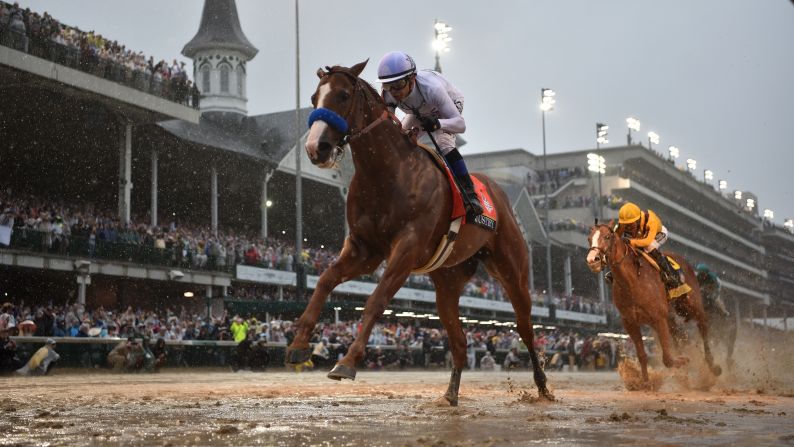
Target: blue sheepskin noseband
[(330, 117)]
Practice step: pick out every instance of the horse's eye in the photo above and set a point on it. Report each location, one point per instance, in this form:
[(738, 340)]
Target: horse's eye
[(344, 96)]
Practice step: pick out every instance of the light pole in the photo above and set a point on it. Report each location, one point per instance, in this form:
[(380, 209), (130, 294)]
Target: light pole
[(691, 164), (633, 124), (547, 101), (298, 261), (596, 163), (602, 137), (653, 138), (441, 41), (674, 153)]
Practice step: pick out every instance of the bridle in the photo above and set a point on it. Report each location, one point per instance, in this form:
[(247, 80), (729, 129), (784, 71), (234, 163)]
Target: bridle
[(610, 248), (340, 123)]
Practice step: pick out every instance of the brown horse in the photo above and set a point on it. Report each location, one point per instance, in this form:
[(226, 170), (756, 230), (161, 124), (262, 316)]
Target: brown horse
[(398, 208), (641, 298)]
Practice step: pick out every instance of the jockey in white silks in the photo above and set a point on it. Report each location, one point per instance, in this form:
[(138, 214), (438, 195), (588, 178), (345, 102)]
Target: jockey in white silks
[(432, 104)]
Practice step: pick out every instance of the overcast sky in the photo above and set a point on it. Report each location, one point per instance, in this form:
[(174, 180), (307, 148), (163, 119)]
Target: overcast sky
[(713, 77)]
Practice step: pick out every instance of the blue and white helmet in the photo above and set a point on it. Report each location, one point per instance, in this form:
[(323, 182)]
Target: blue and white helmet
[(395, 66)]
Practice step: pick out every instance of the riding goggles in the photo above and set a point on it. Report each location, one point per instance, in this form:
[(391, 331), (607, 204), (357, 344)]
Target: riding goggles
[(396, 85)]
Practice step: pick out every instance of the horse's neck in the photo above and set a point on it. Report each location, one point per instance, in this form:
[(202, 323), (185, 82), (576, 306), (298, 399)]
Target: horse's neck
[(618, 261), (379, 154)]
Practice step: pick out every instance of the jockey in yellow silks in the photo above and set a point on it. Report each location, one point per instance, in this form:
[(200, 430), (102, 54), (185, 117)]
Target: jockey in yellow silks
[(645, 231)]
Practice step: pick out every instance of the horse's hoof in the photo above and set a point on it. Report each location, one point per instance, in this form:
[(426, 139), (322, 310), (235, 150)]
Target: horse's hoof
[(342, 372), (680, 361), (298, 356), (716, 370), (546, 394), (453, 401)]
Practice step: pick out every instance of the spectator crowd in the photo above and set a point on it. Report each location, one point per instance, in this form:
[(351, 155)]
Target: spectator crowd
[(45, 37), (84, 230)]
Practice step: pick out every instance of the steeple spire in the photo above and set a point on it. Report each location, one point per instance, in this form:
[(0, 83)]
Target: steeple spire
[(220, 52), (220, 29)]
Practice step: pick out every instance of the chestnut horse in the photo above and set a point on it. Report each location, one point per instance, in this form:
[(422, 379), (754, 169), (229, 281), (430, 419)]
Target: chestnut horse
[(641, 298), (398, 208)]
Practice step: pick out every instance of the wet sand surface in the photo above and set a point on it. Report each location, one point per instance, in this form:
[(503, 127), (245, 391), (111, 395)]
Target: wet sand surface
[(212, 407)]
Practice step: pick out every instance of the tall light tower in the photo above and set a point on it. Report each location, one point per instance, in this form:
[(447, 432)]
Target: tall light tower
[(674, 153), (653, 138), (547, 101), (602, 137), (633, 124), (441, 41)]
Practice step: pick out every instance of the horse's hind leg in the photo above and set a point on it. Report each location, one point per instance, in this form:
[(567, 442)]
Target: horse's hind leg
[(511, 268), (354, 260), (703, 328), (449, 285)]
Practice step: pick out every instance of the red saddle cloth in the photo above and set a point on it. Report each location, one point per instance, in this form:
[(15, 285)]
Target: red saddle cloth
[(459, 209)]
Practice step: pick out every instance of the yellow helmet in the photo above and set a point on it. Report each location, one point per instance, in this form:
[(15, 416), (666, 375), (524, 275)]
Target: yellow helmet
[(629, 213)]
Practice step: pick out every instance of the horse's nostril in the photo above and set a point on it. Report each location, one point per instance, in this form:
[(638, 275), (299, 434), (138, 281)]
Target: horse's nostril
[(323, 148)]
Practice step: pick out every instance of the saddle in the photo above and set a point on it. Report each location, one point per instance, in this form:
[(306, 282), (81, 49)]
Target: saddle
[(486, 220), (675, 292)]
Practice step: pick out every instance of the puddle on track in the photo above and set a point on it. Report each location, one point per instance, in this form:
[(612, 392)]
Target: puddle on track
[(197, 407)]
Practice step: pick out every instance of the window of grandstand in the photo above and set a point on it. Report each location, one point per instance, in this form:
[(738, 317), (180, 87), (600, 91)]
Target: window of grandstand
[(225, 78), (205, 79), (240, 80)]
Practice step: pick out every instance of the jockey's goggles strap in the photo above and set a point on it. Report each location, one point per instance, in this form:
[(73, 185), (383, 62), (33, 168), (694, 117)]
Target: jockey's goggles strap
[(330, 117)]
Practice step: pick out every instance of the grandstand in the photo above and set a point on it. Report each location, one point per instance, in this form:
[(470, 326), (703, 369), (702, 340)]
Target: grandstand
[(125, 188)]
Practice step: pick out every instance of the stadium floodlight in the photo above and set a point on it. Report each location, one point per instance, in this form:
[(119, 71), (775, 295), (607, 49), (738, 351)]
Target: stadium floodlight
[(268, 203), (691, 164), (769, 214), (602, 133), (737, 195), (547, 99), (674, 152), (788, 223), (441, 41), (653, 138), (723, 185), (708, 175), (596, 163), (750, 203), (633, 123)]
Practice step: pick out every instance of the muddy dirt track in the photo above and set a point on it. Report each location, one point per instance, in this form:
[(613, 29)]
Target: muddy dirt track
[(189, 407)]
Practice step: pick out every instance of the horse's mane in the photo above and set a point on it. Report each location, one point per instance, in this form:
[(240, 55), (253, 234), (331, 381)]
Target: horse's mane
[(358, 80)]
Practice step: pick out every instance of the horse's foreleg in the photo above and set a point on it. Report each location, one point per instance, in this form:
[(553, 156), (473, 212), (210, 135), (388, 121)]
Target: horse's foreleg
[(636, 337), (449, 285), (398, 268), (354, 260), (663, 332)]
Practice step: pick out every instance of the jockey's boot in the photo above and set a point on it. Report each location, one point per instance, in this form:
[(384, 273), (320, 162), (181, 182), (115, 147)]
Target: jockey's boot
[(669, 275), (471, 201), (461, 173), (720, 305)]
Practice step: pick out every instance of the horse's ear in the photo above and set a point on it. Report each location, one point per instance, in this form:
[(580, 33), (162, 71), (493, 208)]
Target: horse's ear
[(321, 73), (612, 224), (358, 68), (596, 221)]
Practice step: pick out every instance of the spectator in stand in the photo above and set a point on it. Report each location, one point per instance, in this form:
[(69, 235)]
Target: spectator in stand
[(512, 360), (487, 362), (42, 361)]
